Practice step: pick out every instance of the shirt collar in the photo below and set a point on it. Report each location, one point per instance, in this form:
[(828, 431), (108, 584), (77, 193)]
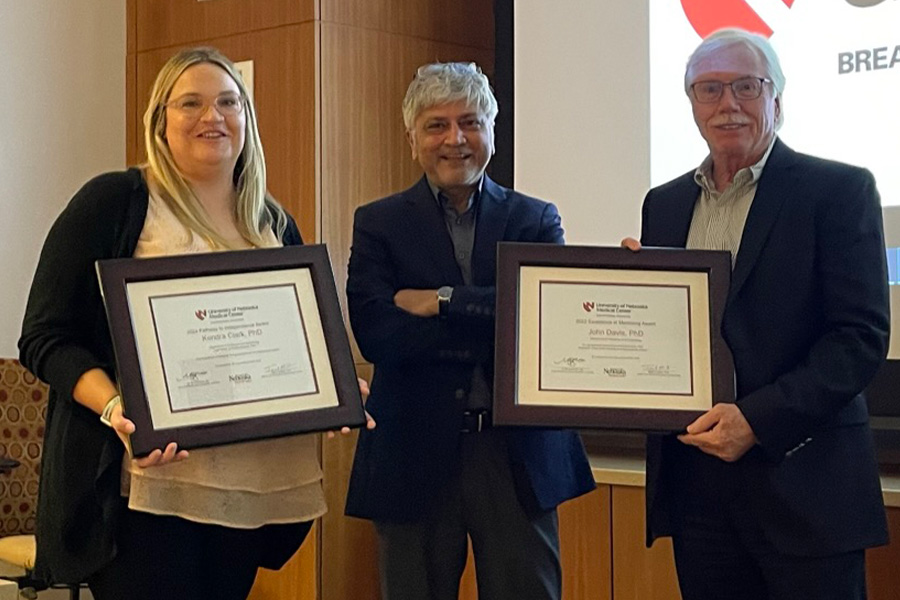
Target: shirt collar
[(473, 197), (746, 176)]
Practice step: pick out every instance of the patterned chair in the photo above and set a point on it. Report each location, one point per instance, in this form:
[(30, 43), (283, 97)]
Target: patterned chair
[(23, 410)]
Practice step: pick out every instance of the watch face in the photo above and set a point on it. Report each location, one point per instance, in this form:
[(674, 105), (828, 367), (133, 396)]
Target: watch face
[(445, 293)]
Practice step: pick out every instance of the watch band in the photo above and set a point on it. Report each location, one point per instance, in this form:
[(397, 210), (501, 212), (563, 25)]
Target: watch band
[(444, 294)]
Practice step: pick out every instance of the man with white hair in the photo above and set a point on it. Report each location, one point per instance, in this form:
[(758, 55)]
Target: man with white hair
[(777, 495), (421, 299)]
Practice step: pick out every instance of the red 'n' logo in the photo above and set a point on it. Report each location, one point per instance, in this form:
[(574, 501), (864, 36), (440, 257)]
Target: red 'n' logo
[(588, 306), (200, 314), (707, 16)]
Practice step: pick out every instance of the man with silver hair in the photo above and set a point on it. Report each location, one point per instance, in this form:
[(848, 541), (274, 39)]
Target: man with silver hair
[(421, 299), (777, 495)]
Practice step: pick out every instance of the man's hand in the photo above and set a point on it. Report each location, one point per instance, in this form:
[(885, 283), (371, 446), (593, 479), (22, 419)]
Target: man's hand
[(722, 432), (422, 303), (630, 243), (370, 422)]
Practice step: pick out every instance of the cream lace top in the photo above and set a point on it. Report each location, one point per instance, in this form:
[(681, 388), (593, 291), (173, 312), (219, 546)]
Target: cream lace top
[(244, 485)]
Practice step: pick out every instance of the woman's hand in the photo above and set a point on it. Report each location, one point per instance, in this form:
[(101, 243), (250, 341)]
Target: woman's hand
[(124, 427)]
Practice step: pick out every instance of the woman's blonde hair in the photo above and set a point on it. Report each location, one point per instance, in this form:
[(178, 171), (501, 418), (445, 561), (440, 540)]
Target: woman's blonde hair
[(255, 209)]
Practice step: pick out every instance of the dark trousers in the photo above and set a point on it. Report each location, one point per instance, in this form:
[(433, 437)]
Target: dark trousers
[(176, 559), (516, 552), (721, 554)]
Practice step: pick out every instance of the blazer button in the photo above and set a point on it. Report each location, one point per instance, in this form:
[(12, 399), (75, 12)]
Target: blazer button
[(460, 394)]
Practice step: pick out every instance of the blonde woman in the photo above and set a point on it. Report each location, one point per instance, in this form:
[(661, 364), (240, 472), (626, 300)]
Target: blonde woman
[(170, 525)]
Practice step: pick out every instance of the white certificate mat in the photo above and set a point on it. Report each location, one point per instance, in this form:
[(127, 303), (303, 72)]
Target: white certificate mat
[(227, 347), (613, 338)]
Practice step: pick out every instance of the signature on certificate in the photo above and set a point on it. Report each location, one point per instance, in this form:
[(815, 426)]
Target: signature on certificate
[(193, 379), (280, 369), (569, 361), (193, 376)]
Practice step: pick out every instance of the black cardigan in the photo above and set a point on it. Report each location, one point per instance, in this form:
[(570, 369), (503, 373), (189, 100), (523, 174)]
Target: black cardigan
[(65, 334)]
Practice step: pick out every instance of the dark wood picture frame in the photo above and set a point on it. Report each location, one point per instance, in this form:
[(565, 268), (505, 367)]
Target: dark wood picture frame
[(115, 275), (512, 257)]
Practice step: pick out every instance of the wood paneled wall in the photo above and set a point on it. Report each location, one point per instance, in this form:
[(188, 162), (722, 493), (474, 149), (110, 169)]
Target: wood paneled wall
[(170, 23), (882, 574), (469, 24)]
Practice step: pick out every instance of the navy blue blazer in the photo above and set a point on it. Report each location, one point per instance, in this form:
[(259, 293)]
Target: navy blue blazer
[(807, 320), (424, 366)]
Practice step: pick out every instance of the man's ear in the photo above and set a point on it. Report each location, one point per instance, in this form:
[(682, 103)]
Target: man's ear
[(411, 138)]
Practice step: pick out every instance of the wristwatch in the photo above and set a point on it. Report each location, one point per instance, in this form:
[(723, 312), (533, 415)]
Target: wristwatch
[(443, 296)]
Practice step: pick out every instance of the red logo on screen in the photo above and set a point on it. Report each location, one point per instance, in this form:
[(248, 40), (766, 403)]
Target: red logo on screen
[(707, 16)]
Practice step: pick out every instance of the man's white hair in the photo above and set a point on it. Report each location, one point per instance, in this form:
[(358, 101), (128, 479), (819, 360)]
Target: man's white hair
[(443, 83)]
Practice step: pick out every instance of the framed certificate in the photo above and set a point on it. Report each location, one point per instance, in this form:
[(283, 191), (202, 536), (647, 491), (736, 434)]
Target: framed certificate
[(225, 347), (607, 338)]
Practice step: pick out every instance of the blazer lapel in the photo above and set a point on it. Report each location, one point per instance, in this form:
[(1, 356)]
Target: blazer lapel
[(671, 214), (771, 191), (490, 226), (678, 222), (427, 218)]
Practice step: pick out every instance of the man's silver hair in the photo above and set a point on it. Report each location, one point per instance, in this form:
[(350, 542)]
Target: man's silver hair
[(728, 38), (445, 83)]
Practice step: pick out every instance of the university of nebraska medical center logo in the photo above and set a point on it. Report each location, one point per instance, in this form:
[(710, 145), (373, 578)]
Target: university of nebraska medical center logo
[(707, 16)]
